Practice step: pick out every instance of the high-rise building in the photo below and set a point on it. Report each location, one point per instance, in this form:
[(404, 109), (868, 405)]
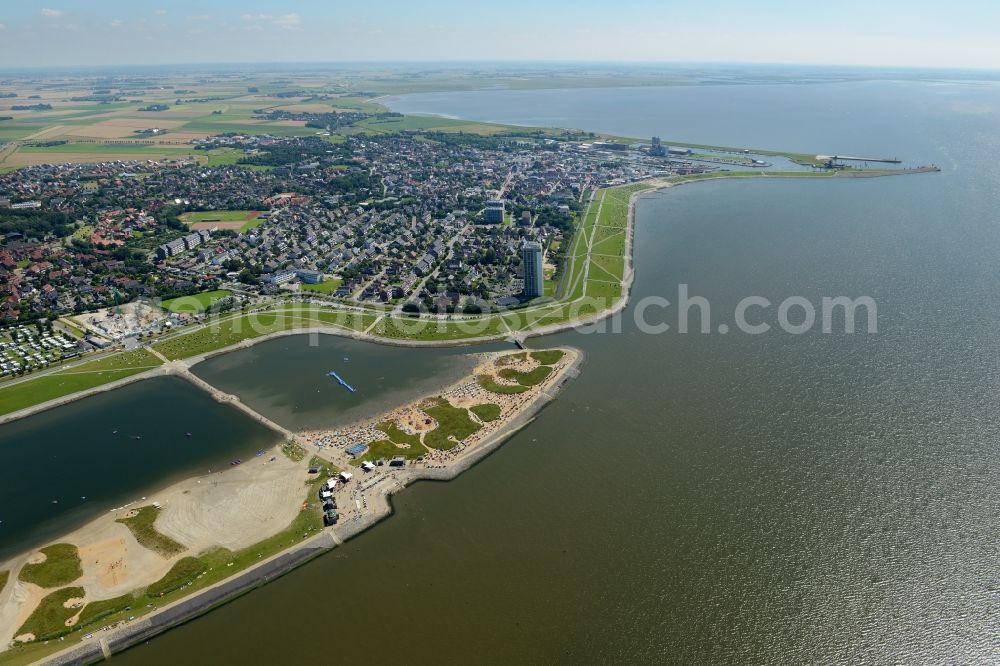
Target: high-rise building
[(531, 262), (494, 212)]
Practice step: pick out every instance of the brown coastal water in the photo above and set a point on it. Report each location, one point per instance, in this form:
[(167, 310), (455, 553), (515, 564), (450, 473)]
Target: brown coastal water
[(703, 499)]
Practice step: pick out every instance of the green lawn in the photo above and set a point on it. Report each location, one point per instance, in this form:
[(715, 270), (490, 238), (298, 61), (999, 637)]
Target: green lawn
[(229, 331), (61, 567), (607, 267), (195, 303), (73, 379), (327, 286), (602, 292), (411, 328), (216, 216), (144, 530)]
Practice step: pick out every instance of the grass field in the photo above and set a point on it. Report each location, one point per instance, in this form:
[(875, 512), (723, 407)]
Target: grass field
[(232, 330), (196, 303), (61, 567), (144, 530), (240, 220), (19, 395), (327, 286), (213, 215), (406, 328)]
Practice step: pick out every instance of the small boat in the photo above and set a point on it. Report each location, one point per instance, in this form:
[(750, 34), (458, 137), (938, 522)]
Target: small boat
[(137, 437), (115, 431), (346, 359), (187, 434)]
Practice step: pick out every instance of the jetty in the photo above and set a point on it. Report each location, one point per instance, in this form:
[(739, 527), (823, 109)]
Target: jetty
[(342, 382), (850, 158)]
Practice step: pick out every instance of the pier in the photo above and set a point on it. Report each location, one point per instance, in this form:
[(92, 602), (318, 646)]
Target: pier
[(342, 382), (850, 158)]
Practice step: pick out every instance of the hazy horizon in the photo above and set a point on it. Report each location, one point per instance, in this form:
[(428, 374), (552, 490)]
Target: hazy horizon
[(894, 34)]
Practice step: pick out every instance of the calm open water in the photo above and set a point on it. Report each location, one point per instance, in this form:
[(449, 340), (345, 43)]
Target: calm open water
[(63, 467), (303, 395), (716, 498)]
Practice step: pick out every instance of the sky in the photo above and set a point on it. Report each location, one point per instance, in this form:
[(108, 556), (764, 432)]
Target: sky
[(898, 33)]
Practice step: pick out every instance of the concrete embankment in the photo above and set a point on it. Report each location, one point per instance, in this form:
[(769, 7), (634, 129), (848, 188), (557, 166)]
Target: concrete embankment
[(182, 611)]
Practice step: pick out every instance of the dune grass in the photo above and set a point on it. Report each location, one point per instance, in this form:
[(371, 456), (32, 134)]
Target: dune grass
[(493, 386), (486, 412), (183, 572), (61, 567), (452, 422), (529, 378), (144, 530), (49, 619), (548, 356)]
